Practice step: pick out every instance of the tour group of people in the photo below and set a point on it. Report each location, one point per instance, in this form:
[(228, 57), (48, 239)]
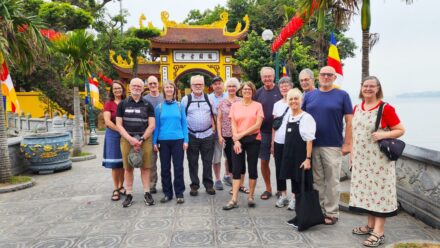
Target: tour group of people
[(307, 131)]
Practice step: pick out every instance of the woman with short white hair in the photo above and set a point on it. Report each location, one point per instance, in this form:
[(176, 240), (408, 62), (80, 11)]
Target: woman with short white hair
[(297, 151)]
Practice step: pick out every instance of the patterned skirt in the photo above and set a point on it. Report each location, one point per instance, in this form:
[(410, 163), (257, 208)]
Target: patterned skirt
[(112, 150)]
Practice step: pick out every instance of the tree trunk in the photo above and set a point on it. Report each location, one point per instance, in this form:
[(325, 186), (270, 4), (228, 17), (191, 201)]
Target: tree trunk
[(77, 144), (5, 163), (365, 53)]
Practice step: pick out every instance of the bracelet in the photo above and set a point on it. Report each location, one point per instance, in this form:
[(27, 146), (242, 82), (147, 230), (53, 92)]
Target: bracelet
[(309, 158)]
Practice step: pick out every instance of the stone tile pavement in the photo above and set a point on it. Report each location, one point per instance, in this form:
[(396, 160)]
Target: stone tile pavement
[(73, 209)]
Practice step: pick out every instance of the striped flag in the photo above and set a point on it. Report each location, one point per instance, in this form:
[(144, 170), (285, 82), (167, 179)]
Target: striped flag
[(334, 61), (94, 92), (8, 90), (285, 71)]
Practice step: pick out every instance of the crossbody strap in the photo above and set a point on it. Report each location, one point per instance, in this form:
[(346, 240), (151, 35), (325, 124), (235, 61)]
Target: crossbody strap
[(379, 116)]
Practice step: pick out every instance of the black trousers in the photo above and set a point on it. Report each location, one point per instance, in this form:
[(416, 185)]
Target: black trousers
[(205, 147), (250, 147)]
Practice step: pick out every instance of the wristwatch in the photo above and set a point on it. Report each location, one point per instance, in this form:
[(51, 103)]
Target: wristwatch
[(142, 139)]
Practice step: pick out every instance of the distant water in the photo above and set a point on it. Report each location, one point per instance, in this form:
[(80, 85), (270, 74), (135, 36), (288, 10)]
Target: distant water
[(421, 118)]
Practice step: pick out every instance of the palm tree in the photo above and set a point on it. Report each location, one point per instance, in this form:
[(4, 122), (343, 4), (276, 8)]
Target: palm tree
[(342, 11), (20, 45), (82, 59)]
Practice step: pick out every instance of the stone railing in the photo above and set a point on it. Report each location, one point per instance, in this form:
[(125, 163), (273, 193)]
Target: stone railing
[(418, 183), (25, 124)]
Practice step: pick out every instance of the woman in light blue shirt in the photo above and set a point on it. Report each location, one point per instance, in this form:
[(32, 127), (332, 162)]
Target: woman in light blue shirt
[(170, 139)]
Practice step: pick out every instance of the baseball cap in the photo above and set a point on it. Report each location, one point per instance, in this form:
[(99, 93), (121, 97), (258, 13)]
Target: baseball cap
[(215, 79)]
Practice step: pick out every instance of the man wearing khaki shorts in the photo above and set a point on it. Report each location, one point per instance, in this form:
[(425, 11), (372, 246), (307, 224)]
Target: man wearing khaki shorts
[(135, 121)]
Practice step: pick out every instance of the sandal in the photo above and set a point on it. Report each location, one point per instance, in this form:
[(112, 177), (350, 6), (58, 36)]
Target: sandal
[(242, 189), (251, 202), (266, 195), (374, 240), (116, 195), (362, 230), (122, 190), (332, 220), (231, 204)]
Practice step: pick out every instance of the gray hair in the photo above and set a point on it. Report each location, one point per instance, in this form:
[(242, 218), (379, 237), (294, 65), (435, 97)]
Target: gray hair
[(286, 80), (267, 68), (308, 72), (196, 77), (232, 81), (137, 80)]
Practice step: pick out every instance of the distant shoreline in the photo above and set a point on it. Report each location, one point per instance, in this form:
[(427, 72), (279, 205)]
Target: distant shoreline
[(423, 94)]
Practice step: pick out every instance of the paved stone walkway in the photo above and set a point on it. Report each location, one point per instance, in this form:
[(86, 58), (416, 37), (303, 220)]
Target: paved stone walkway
[(73, 209)]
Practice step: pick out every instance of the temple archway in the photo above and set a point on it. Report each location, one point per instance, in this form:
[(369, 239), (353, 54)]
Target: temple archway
[(183, 48)]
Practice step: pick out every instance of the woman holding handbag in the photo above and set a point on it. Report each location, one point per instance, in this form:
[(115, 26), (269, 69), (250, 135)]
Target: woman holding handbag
[(297, 151), (373, 179)]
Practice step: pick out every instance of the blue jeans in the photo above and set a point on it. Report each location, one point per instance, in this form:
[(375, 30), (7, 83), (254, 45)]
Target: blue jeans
[(172, 149)]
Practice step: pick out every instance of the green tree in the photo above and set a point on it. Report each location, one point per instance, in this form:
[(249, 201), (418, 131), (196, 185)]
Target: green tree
[(253, 54), (64, 16), (342, 12), (82, 60), (20, 44), (195, 17)]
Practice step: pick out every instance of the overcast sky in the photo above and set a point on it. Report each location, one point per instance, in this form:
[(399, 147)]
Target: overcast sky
[(405, 59)]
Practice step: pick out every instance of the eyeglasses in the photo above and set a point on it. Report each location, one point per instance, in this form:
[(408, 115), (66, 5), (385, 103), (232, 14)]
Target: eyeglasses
[(137, 86), (152, 83), (304, 80), (117, 89), (369, 86), (197, 85), (323, 74)]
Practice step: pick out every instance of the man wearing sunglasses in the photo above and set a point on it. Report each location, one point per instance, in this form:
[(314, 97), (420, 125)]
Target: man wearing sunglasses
[(330, 107), (154, 97)]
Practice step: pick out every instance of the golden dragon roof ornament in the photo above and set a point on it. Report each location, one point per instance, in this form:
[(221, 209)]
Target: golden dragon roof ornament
[(224, 17)]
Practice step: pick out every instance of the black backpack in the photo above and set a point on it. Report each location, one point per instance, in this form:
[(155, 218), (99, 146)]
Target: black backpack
[(206, 100), (190, 100)]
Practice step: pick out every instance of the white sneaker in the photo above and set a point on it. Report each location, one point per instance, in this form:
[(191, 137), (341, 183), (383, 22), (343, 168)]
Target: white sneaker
[(291, 204), (282, 202)]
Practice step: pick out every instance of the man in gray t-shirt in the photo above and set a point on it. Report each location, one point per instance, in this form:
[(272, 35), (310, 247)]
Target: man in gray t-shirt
[(154, 97)]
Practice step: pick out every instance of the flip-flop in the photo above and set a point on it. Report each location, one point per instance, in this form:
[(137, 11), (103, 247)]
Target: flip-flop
[(266, 195)]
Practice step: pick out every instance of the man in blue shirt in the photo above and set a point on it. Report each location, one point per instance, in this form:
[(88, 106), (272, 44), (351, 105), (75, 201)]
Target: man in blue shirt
[(329, 107)]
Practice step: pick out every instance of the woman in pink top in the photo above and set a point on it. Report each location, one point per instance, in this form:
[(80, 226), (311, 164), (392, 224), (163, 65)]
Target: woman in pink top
[(246, 118)]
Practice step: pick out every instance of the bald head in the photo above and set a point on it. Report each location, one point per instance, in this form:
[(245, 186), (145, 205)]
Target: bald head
[(153, 85), (327, 75)]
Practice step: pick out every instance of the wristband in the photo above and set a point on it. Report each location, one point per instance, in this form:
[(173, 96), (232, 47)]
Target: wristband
[(309, 158)]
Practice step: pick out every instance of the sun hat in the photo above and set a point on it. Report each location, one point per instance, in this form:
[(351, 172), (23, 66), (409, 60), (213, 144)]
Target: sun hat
[(135, 158)]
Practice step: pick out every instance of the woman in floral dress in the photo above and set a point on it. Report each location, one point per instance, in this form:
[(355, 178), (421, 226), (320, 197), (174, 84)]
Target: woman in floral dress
[(373, 181)]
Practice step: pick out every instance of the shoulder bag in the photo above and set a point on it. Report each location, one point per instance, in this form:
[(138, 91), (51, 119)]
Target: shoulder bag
[(278, 121), (392, 148)]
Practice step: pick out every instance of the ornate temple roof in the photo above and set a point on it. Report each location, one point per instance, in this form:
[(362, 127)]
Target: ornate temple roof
[(211, 34)]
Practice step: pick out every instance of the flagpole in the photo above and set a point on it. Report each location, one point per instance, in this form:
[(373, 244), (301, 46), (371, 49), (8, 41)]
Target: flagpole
[(93, 138)]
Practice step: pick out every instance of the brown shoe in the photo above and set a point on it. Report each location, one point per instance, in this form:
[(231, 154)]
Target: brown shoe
[(210, 191), (193, 192)]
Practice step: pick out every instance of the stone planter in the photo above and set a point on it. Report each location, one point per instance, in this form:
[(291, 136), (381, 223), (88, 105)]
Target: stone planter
[(47, 152)]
